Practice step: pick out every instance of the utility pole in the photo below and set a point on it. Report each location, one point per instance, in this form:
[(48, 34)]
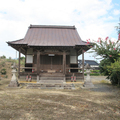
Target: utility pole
[(16, 54)]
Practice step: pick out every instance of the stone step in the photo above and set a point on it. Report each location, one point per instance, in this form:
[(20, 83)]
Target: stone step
[(50, 86)]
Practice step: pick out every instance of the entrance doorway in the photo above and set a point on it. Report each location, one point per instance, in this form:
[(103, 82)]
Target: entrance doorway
[(51, 62)]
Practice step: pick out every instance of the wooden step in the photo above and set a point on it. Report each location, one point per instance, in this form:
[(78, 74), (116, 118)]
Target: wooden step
[(51, 81), (52, 75), (51, 78)]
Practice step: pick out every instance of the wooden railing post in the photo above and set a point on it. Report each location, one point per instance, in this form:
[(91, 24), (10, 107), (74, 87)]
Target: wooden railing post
[(83, 63), (38, 62), (19, 63), (64, 62)]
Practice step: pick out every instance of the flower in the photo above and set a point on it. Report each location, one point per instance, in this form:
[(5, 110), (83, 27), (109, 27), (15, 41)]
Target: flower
[(119, 37), (114, 48), (106, 38), (110, 55), (88, 43), (99, 39)]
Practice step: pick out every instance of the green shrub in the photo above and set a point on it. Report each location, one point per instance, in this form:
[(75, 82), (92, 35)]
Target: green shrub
[(93, 74), (3, 63), (3, 71), (95, 71), (114, 71)]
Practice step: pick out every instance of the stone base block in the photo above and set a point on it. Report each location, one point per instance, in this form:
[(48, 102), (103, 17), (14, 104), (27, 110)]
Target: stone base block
[(14, 84), (88, 85)]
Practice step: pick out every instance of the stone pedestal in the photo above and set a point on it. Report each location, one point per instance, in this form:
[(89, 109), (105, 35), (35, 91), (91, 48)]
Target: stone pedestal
[(14, 81), (38, 79), (88, 83)]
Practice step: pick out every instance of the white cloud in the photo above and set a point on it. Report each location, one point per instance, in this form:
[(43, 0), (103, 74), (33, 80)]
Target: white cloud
[(116, 12), (89, 17)]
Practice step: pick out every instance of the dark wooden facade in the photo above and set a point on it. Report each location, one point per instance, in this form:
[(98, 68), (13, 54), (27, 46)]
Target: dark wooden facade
[(51, 52)]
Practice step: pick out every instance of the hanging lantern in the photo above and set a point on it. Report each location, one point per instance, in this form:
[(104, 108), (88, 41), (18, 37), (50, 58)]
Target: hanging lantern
[(33, 70), (27, 78), (71, 78), (74, 78), (30, 78)]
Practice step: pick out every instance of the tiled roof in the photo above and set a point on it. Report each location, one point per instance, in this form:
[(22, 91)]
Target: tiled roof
[(49, 35)]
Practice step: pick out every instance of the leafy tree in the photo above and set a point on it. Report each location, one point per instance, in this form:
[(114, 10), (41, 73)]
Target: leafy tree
[(3, 57), (22, 58), (114, 70), (110, 52)]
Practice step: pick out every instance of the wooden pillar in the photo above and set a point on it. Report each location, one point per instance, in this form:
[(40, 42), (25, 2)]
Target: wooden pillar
[(19, 63), (64, 62), (83, 63), (38, 62)]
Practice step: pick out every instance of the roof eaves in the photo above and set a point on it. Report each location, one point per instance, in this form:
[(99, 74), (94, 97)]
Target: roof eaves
[(16, 42)]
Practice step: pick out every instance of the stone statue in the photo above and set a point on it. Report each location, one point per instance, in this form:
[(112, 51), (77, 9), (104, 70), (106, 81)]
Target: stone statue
[(87, 82), (14, 81)]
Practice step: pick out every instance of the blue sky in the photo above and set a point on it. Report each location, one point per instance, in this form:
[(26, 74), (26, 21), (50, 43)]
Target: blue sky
[(92, 18)]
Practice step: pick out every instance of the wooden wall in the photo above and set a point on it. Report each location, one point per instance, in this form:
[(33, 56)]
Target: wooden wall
[(48, 62)]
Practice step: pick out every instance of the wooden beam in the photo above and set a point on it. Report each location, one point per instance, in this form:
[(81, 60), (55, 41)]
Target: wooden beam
[(19, 63), (38, 62), (73, 68), (83, 62), (56, 53)]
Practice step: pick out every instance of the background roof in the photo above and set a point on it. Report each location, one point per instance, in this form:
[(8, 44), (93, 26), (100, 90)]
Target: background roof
[(90, 62)]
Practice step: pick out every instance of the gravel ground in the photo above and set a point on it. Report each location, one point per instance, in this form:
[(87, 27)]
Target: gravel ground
[(99, 103), (101, 84)]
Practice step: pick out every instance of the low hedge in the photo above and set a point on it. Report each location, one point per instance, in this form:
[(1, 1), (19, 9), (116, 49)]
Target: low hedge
[(93, 74)]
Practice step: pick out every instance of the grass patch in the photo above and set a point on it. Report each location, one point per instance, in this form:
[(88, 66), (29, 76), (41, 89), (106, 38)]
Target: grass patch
[(105, 82), (93, 74)]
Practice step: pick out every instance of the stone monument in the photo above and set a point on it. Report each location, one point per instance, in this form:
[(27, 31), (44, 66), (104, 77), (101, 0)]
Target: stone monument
[(87, 82), (14, 81)]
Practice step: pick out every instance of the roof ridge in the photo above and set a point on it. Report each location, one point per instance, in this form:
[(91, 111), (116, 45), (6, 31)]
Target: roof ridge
[(52, 26)]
